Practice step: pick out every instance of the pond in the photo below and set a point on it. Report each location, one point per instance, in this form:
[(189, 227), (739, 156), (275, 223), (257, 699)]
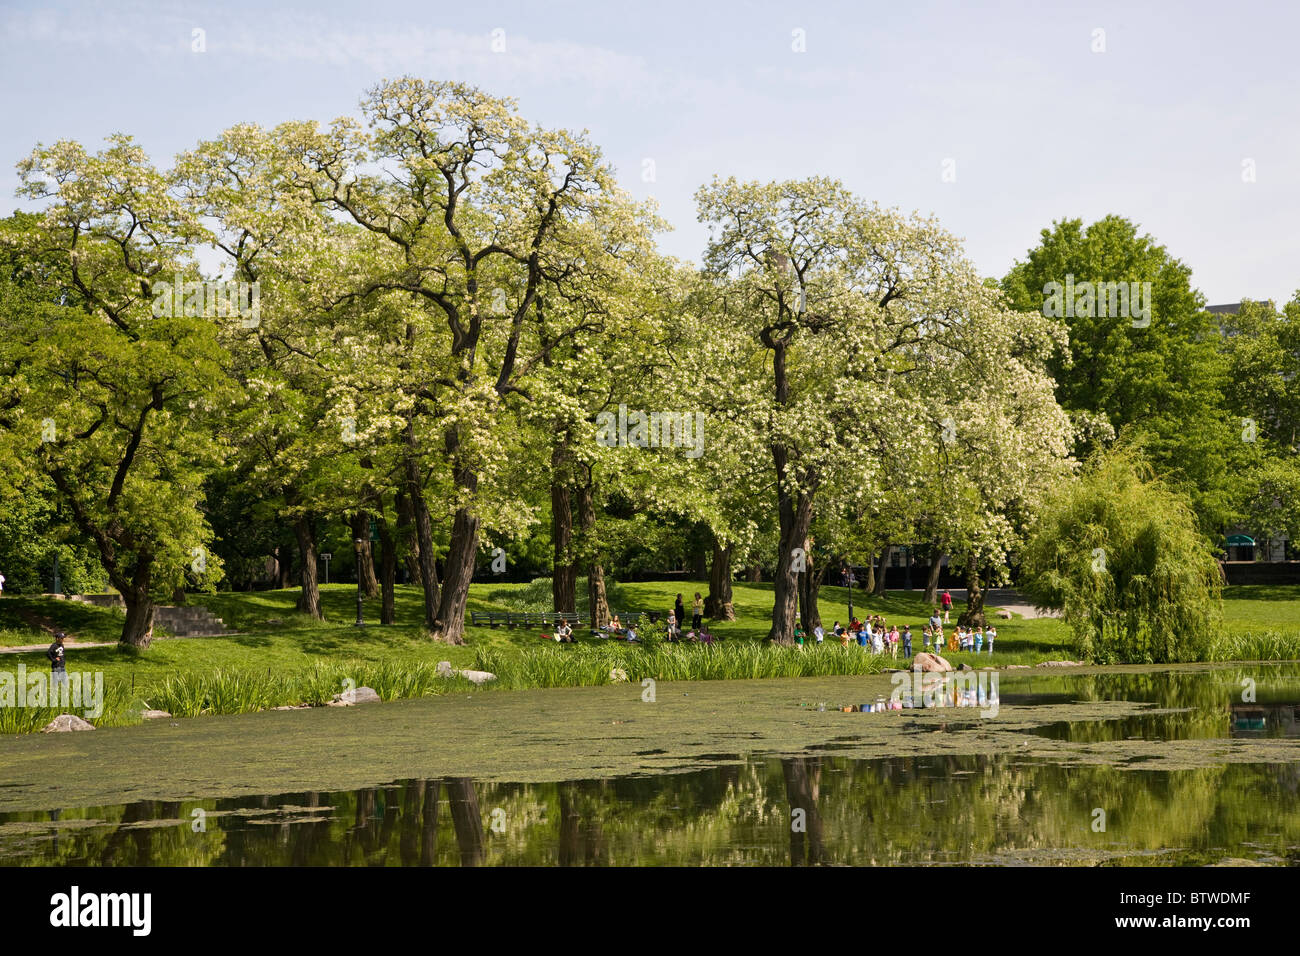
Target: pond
[(1120, 766)]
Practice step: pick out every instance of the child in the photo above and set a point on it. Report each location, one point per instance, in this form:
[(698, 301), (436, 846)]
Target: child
[(979, 640), (819, 633), (992, 633), (893, 642), (907, 640), (926, 635)]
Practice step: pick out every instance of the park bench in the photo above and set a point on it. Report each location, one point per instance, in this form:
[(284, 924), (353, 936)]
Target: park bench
[(484, 618)]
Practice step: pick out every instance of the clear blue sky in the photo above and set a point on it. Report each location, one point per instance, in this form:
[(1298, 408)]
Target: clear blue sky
[(1039, 126)]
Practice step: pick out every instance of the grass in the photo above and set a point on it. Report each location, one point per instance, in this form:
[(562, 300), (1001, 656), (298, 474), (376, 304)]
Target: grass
[(280, 657)]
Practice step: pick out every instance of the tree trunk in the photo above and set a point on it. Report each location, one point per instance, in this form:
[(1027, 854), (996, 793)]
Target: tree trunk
[(466, 819), (802, 786), (932, 583), (869, 585), (813, 579), (283, 571), (406, 538), (429, 825), (388, 571), (360, 528), (796, 518), (309, 599), (598, 602), (137, 630), (754, 573), (449, 625), (564, 566), (973, 616), (718, 605), (879, 589), (424, 535)]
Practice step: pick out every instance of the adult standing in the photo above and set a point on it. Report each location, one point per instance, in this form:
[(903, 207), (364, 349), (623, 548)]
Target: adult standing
[(946, 601), (680, 610)]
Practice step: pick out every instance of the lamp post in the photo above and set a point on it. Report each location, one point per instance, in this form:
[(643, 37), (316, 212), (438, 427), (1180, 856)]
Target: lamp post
[(327, 557), (356, 542), (852, 579)]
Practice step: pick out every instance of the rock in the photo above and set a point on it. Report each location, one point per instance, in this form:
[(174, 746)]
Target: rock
[(1061, 664), (294, 707), (474, 677), (1016, 667), (1004, 614), (66, 722), (965, 667), (928, 663), (154, 714), (359, 695)]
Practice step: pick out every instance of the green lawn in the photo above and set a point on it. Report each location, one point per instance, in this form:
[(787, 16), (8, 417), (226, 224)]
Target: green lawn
[(276, 644)]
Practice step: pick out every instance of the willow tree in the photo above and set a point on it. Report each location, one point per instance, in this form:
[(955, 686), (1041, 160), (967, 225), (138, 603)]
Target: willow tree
[(1119, 553), (870, 327)]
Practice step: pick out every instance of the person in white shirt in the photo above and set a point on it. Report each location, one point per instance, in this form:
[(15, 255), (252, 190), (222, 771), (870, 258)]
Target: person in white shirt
[(2, 584), (819, 633)]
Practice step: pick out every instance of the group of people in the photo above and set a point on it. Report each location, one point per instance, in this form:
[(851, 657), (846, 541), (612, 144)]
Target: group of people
[(961, 639), (875, 634)]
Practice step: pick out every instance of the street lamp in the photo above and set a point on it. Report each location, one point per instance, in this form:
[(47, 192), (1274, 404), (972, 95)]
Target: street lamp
[(356, 542)]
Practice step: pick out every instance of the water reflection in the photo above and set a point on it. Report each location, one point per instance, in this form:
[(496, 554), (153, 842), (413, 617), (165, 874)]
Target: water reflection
[(801, 811), (821, 808)]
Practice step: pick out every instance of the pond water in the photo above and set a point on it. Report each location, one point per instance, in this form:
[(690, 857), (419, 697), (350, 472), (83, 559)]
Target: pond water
[(830, 804)]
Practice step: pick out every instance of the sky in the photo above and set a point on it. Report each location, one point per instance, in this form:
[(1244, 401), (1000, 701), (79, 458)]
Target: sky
[(997, 118)]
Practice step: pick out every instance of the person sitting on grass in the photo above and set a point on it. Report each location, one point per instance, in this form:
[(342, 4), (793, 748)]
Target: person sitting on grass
[(564, 633), (705, 637)]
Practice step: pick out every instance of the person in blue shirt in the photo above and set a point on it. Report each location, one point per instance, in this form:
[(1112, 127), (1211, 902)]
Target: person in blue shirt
[(907, 640)]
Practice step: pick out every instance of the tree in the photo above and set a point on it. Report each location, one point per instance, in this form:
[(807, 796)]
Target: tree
[(1119, 553), (1144, 357), (477, 217), (873, 334), (113, 399)]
